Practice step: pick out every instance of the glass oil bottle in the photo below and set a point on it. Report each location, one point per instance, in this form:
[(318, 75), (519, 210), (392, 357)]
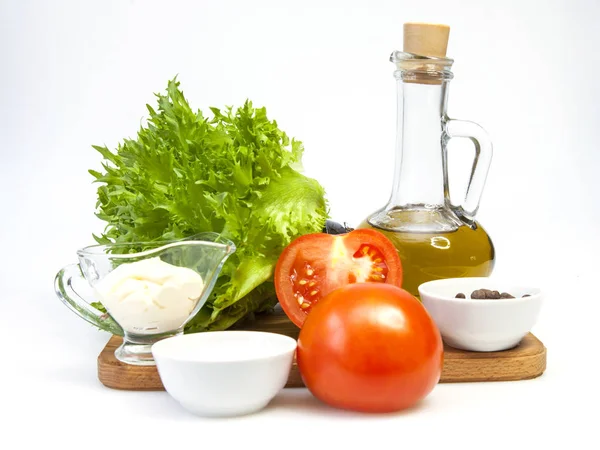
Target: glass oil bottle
[(434, 238)]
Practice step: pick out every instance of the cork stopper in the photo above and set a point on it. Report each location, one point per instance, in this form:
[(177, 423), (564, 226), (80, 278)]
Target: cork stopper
[(426, 39)]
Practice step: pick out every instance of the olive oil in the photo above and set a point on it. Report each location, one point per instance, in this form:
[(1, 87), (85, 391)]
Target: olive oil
[(425, 256)]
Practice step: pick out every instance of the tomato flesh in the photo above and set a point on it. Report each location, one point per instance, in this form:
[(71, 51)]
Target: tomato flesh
[(314, 265), (304, 280), (307, 281)]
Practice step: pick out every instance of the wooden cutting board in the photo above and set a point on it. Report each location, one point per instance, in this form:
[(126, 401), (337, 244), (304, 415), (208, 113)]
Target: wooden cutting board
[(527, 360)]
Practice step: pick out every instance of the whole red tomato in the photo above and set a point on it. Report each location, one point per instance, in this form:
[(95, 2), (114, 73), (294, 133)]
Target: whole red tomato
[(370, 347)]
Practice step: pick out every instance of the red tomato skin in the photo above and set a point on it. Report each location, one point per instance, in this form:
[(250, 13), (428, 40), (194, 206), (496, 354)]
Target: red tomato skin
[(370, 347)]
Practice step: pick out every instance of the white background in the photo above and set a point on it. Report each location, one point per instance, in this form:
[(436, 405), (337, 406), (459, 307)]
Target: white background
[(76, 73)]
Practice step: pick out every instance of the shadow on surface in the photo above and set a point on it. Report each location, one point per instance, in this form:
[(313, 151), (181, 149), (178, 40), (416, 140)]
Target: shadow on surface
[(302, 401)]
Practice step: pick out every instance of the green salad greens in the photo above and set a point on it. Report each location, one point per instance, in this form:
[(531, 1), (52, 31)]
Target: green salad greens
[(235, 173)]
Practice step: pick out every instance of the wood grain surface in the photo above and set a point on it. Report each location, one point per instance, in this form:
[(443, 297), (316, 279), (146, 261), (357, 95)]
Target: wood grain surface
[(527, 360)]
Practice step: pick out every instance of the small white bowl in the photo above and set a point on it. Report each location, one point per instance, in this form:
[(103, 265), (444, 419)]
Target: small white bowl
[(224, 373), (481, 325)]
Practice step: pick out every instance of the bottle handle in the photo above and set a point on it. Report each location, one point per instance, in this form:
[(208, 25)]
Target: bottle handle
[(481, 164), (63, 286)]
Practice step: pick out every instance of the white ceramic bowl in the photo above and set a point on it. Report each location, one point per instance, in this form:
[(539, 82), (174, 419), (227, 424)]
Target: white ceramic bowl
[(481, 325), (224, 373)]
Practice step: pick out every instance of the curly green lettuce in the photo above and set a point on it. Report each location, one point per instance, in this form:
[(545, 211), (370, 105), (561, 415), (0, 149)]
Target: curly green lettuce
[(236, 174)]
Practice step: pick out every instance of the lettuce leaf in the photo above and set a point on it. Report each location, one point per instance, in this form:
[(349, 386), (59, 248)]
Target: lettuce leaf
[(235, 173)]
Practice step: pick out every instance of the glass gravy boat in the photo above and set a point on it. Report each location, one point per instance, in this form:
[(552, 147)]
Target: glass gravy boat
[(150, 290)]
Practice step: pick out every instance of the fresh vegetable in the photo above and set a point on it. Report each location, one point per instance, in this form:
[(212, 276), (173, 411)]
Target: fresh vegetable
[(332, 227), (314, 265), (370, 347), (236, 173)]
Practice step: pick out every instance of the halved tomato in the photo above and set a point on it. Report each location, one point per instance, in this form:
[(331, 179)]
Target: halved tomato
[(314, 265)]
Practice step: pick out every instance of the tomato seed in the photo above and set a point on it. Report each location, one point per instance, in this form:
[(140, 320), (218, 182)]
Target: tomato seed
[(304, 305), (314, 292), (377, 260), (312, 283), (378, 269), (302, 282), (309, 272)]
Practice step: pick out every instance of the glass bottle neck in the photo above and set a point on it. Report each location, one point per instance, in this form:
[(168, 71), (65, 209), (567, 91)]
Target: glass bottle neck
[(420, 176), (420, 200)]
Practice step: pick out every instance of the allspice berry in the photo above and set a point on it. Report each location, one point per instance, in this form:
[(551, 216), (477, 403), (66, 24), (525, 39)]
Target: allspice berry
[(479, 294), (487, 294)]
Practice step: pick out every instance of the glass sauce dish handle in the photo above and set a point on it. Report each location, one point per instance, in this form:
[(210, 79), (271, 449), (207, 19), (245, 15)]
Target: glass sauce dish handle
[(63, 285), (481, 164)]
